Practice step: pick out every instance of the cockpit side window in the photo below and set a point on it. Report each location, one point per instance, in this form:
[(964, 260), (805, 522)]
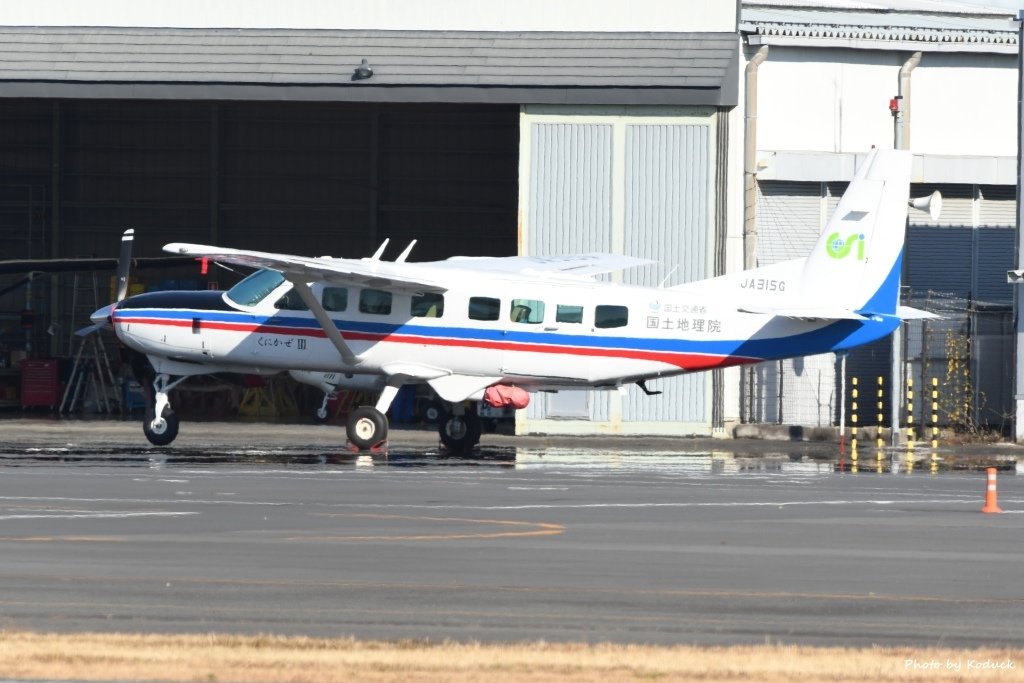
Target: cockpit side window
[(255, 288), (291, 301)]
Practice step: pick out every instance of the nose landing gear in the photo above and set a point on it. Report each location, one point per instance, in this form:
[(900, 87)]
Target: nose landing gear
[(160, 424)]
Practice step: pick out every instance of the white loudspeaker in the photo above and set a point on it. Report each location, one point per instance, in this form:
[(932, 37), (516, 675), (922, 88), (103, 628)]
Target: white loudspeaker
[(932, 204)]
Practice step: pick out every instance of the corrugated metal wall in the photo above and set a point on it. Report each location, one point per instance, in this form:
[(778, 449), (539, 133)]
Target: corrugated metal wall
[(957, 265), (952, 264), (570, 188), (570, 212), (790, 218), (666, 220), (665, 195)]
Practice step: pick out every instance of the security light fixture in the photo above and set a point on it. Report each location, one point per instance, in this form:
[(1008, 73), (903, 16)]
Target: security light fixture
[(363, 71)]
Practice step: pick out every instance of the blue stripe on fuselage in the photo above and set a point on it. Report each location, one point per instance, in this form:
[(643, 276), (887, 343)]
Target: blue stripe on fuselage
[(835, 336)]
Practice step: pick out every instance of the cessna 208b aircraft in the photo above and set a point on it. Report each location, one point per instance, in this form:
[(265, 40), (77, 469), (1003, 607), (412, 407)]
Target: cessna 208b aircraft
[(497, 329)]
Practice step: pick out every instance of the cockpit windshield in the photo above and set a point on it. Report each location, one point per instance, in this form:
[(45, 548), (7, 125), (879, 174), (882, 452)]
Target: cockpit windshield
[(255, 288)]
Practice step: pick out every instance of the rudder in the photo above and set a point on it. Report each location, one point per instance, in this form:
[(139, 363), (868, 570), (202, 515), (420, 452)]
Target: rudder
[(856, 262)]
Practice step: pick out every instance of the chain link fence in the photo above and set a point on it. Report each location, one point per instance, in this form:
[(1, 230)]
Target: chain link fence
[(965, 354)]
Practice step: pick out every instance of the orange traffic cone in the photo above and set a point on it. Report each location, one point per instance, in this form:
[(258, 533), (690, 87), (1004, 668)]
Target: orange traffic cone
[(991, 505)]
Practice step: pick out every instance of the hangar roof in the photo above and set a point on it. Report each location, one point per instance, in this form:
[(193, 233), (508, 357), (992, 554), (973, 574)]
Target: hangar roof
[(926, 25), (408, 66)]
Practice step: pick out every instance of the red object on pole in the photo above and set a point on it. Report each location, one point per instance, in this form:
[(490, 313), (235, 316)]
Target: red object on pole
[(991, 506)]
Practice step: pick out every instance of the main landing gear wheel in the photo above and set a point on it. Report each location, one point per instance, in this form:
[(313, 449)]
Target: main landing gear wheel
[(161, 430), (366, 427), (459, 433)]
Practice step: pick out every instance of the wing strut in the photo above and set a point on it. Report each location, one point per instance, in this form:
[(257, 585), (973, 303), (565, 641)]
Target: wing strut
[(306, 294)]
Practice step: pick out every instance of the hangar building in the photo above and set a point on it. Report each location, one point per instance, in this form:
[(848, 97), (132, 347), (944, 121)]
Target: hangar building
[(328, 127), (826, 74)]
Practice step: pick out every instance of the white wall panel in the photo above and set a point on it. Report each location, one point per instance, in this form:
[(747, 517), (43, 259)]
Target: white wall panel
[(570, 188), (667, 220), (570, 212), (622, 181), (836, 100)]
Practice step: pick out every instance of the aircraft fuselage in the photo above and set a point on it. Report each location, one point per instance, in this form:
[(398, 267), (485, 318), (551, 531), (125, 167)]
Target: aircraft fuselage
[(530, 333)]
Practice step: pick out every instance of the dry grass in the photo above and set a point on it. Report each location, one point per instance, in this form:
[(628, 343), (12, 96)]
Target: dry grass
[(267, 659)]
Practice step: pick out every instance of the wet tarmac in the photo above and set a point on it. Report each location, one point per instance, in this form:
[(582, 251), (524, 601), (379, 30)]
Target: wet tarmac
[(277, 529)]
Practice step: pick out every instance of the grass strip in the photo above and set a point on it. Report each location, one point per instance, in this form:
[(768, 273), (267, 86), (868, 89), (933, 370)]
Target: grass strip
[(278, 659)]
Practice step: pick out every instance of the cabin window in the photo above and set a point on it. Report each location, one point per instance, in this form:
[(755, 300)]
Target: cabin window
[(255, 288), (528, 311), (291, 302), (569, 314), (335, 299), (375, 301), (429, 305), (611, 316), (484, 308)]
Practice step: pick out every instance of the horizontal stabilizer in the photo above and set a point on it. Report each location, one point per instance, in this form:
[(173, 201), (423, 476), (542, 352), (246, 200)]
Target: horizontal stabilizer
[(908, 313)]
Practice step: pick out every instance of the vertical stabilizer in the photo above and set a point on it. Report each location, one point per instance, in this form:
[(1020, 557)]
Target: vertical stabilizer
[(856, 262)]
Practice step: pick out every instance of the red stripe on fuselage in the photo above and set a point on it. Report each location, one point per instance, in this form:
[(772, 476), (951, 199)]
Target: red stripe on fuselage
[(684, 361)]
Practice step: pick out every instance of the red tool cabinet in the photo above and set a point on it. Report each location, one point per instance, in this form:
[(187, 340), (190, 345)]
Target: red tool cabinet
[(40, 384)]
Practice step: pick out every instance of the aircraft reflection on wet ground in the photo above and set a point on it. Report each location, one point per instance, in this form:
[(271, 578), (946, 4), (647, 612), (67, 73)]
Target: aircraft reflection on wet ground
[(722, 461)]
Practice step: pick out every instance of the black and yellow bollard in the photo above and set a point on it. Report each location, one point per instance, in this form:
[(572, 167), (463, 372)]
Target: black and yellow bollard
[(853, 420), (879, 442), (910, 423), (935, 424)]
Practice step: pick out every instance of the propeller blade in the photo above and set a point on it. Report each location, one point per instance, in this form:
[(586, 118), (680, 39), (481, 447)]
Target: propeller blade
[(100, 319), (124, 264)]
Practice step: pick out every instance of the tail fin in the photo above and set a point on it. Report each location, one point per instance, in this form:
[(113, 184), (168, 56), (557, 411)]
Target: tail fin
[(853, 271), (856, 262)]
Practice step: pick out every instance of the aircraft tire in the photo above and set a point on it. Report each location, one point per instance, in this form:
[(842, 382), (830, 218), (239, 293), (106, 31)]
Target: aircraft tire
[(459, 433), (433, 413), (166, 433), (366, 427)]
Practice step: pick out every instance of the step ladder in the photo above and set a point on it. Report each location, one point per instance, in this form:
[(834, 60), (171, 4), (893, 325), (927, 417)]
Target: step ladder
[(91, 373), (91, 377)]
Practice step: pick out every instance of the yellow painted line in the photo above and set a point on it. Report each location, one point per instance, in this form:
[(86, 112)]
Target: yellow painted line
[(524, 529)]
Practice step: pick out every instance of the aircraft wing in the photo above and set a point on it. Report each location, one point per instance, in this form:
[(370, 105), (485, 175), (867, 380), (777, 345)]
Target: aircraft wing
[(337, 271), (576, 265)]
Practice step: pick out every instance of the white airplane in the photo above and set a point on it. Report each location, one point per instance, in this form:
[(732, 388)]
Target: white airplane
[(498, 329)]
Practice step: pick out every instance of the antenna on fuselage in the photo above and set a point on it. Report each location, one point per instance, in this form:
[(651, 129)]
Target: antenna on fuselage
[(380, 250), (405, 254), (674, 269)]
